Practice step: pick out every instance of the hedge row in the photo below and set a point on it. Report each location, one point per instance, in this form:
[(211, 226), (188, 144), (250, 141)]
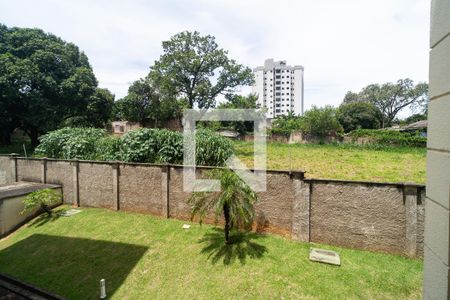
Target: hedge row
[(142, 145)]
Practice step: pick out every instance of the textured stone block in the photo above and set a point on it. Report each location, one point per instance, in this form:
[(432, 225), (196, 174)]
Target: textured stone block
[(440, 22), (440, 69), (435, 277), (439, 123), (437, 229), (438, 177)]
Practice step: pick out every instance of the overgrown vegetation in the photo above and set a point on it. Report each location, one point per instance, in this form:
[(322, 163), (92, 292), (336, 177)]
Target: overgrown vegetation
[(145, 257), (390, 137), (142, 145)]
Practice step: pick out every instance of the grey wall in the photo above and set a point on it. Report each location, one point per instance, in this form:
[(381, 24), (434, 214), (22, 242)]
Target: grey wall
[(437, 224), (363, 215)]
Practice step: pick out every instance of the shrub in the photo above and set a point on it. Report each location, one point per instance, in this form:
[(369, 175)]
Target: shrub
[(391, 137), (41, 199), (321, 122), (359, 115), (70, 143), (212, 149), (285, 125), (143, 145), (152, 146)]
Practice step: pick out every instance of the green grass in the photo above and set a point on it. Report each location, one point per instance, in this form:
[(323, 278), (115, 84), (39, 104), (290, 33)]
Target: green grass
[(145, 257), (343, 161)]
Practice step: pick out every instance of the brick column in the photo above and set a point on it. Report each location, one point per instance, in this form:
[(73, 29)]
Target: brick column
[(165, 177), (44, 170), (301, 210), (116, 184), (14, 169), (76, 186), (410, 194), (437, 204)]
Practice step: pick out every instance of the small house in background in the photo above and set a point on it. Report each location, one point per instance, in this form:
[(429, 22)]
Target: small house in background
[(119, 128), (420, 126)]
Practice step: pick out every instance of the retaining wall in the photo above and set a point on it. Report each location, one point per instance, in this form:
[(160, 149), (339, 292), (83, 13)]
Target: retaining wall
[(385, 217)]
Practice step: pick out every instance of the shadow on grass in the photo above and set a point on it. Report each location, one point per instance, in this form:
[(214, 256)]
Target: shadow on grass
[(241, 246), (44, 218), (71, 267)]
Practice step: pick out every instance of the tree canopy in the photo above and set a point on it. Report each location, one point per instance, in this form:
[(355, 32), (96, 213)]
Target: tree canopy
[(43, 81), (194, 68), (147, 104), (359, 115), (320, 122), (391, 98)]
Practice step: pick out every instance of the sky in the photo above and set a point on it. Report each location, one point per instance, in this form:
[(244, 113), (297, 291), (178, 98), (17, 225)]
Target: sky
[(343, 45)]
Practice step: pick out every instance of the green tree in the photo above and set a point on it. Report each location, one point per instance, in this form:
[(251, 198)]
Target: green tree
[(239, 102), (146, 104), (359, 115), (414, 118), (321, 122), (286, 124), (391, 98), (97, 113), (44, 79), (195, 69), (235, 201)]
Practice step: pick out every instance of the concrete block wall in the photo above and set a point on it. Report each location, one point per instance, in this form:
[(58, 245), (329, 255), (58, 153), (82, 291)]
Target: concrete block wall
[(363, 215), (437, 210)]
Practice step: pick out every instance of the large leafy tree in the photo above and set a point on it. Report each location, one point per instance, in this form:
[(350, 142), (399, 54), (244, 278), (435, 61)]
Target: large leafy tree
[(147, 104), (234, 101), (235, 201), (43, 79), (391, 98), (356, 115), (195, 69), (97, 112)]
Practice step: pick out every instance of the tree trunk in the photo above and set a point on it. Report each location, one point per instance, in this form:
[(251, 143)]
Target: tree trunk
[(226, 214)]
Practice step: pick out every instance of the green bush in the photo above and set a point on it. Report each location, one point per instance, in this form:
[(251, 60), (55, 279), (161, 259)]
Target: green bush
[(321, 122), (143, 145), (41, 199), (391, 137), (212, 149), (152, 146), (70, 143)]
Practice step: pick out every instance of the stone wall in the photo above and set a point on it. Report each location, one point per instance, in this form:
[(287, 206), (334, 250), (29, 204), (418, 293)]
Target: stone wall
[(437, 218), (364, 215)]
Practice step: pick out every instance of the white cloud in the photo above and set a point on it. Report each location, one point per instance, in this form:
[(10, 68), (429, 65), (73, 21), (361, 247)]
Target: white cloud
[(343, 45)]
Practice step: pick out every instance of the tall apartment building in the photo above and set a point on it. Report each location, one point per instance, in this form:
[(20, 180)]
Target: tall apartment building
[(279, 88)]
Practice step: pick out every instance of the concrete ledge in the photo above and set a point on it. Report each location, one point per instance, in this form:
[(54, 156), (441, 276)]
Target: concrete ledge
[(22, 188)]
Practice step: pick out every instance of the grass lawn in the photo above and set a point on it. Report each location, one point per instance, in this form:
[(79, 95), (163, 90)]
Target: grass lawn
[(145, 257), (350, 162)]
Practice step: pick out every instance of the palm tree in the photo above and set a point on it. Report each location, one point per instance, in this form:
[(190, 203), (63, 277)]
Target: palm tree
[(235, 200)]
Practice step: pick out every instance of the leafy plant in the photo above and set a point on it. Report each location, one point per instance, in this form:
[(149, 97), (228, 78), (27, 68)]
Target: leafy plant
[(285, 125), (42, 199), (70, 143), (321, 122), (235, 201)]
